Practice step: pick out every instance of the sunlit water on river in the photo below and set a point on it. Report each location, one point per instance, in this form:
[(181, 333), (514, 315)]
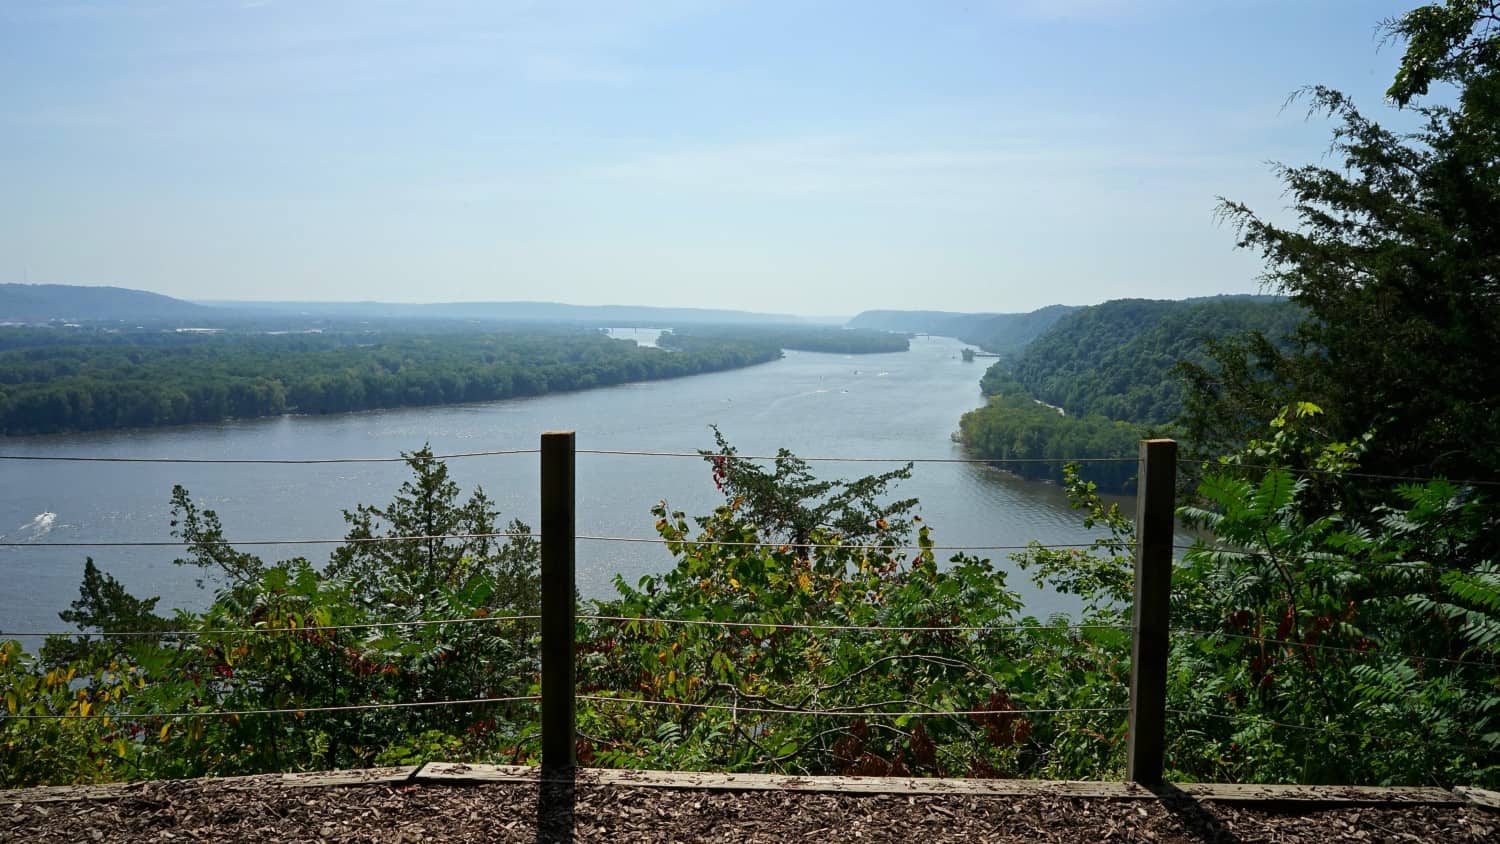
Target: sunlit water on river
[(892, 405)]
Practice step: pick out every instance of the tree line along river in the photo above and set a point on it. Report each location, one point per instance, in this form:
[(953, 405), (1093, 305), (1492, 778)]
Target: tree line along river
[(896, 405)]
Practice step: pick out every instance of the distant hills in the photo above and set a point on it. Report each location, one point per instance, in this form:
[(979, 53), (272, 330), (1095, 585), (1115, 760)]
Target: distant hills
[(73, 303), (76, 303), (998, 333), (614, 315)]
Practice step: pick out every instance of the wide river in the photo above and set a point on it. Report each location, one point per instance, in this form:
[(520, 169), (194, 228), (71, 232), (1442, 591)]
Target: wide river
[(903, 405)]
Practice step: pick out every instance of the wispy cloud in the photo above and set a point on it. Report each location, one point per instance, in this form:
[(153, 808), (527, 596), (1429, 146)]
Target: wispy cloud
[(941, 167)]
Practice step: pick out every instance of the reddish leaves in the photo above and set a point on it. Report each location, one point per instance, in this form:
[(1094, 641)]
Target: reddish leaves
[(1001, 726)]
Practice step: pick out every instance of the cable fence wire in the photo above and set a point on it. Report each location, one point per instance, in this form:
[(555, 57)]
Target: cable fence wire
[(226, 543), (291, 710), (982, 461), (1416, 565), (1202, 468), (701, 455), (270, 461), (655, 540), (1184, 465), (1370, 652), (248, 631), (847, 712), (863, 628), (734, 625), (1383, 739)]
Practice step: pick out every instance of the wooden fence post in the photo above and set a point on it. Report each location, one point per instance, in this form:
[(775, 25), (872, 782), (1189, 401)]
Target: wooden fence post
[(1155, 519), (558, 528)]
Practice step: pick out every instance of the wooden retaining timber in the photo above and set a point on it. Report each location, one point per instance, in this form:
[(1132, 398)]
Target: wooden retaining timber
[(452, 773), (117, 790)]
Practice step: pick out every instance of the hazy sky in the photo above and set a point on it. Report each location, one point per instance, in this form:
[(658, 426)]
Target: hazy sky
[(805, 157)]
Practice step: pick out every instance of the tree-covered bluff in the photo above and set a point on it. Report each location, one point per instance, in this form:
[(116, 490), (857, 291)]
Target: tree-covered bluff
[(1103, 376), (1119, 359)]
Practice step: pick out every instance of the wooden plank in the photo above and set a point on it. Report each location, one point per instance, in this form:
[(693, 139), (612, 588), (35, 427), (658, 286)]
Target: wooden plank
[(1479, 796), (361, 776), (1235, 792), (65, 793), (117, 790), (448, 772)]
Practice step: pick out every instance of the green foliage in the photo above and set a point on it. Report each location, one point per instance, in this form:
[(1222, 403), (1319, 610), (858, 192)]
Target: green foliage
[(788, 504), (1455, 41), (287, 637), (750, 664), (461, 542), (1374, 633), (292, 638)]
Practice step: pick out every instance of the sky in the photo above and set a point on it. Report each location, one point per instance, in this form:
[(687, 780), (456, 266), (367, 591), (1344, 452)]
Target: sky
[(805, 157)]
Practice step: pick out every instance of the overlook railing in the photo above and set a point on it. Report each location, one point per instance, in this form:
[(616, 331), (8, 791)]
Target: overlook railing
[(1151, 628)]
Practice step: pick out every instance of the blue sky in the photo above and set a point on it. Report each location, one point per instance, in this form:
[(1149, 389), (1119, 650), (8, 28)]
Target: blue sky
[(804, 157)]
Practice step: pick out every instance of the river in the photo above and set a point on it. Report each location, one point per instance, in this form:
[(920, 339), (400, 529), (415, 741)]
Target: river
[(889, 405)]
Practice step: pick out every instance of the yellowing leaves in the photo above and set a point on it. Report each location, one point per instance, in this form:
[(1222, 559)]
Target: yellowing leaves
[(804, 582)]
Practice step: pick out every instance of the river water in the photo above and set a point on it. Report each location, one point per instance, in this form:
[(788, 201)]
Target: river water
[(902, 405)]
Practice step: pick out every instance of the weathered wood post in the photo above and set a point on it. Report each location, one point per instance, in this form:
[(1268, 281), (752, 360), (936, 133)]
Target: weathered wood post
[(1155, 518), (558, 528), (555, 795)]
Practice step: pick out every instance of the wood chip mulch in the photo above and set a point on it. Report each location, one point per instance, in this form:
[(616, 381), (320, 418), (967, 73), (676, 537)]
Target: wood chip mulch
[(401, 814)]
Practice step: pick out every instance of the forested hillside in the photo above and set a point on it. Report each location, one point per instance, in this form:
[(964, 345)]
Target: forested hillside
[(1117, 359), (1103, 376), (43, 302), (168, 379)]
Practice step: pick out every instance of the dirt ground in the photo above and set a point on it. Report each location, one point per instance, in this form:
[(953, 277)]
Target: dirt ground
[(194, 811)]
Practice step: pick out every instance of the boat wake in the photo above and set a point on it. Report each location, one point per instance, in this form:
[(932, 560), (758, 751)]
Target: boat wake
[(40, 525)]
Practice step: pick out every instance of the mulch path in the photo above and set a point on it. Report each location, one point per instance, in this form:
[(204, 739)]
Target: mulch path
[(401, 814)]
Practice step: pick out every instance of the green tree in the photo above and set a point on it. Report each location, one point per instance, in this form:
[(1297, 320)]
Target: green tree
[(788, 503), (455, 541), (1396, 258), (108, 614)]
